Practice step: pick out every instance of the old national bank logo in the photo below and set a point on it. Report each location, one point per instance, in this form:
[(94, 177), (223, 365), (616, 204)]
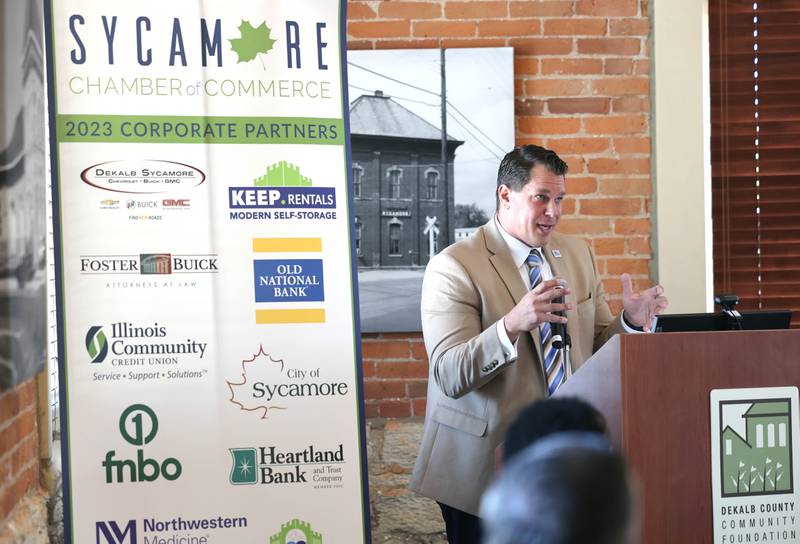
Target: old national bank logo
[(140, 353), (268, 384), (138, 426), (282, 193), (296, 532), (163, 531), (754, 439), (270, 465)]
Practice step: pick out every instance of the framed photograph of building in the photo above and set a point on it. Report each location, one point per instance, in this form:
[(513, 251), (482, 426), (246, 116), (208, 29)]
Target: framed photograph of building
[(424, 167)]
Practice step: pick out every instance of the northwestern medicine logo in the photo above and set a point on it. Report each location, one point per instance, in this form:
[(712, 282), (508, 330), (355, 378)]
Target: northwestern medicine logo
[(296, 532), (149, 264), (173, 531), (756, 448), (269, 384), (138, 425), (282, 193)]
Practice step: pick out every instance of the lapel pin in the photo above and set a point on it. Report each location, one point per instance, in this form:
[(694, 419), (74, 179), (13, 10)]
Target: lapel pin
[(556, 253)]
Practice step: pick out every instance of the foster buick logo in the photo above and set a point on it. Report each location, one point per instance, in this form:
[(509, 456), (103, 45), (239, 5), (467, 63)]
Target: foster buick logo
[(142, 176), (149, 263)]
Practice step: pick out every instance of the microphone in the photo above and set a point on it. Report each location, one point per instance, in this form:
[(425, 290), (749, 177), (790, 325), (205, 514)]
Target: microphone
[(559, 329)]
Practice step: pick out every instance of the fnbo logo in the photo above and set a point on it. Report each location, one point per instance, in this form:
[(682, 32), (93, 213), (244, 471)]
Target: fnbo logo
[(138, 425)]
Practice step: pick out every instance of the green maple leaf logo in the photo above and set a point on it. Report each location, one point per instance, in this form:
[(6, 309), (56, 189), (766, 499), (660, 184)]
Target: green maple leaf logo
[(254, 40)]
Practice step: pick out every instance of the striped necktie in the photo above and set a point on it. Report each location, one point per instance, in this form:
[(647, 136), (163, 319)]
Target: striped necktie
[(553, 366)]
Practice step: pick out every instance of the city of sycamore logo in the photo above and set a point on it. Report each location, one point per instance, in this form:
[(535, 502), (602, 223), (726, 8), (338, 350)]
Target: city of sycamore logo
[(268, 384), (756, 459), (296, 532)]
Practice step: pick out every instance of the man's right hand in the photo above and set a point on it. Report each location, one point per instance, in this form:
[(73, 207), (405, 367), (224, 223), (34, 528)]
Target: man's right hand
[(536, 307)]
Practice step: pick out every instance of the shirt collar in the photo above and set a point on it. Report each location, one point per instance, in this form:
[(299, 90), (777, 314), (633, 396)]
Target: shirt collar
[(519, 249)]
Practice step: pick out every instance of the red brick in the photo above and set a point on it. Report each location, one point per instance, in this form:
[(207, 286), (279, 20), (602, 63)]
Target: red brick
[(409, 10), (631, 145), (535, 8), (568, 205), (382, 389), (611, 206), (407, 44), (619, 166), (371, 410), (368, 369), (528, 140), (580, 185), (455, 43), (475, 10), (616, 124), (378, 29), (541, 46), (360, 45), (583, 226), (620, 86), (608, 246), (5, 472), (615, 305), (526, 66), (639, 245), (556, 66), (555, 87), (609, 46), (574, 27), (626, 187), (391, 349), (612, 286), (618, 67), (631, 104), (629, 266), (632, 226), (548, 125), (25, 453), (575, 163), (418, 352), (517, 27), (642, 67), (418, 407), (578, 145), (629, 27), (519, 86), (359, 10), (394, 408), (416, 389), (442, 29), (578, 105), (402, 370), (410, 336), (607, 7), (529, 106)]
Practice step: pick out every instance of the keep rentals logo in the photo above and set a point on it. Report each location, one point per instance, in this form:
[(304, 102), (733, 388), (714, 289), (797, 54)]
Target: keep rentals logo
[(296, 532)]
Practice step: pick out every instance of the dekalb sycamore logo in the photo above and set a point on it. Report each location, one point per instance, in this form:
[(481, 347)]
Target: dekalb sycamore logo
[(296, 532), (269, 384), (269, 465), (282, 193), (138, 425), (142, 177)]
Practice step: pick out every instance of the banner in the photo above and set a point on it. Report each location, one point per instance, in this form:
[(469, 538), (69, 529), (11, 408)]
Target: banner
[(208, 317)]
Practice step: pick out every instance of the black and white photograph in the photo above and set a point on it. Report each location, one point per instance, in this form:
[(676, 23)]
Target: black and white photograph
[(424, 165)]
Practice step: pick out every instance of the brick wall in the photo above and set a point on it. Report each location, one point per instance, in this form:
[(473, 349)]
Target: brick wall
[(19, 446), (582, 86)]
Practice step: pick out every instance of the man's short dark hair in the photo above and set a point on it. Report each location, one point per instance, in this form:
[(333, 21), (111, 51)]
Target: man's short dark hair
[(515, 168), (548, 416), (568, 488)]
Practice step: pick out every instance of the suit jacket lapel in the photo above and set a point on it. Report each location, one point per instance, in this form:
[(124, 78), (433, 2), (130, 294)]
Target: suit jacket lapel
[(500, 258)]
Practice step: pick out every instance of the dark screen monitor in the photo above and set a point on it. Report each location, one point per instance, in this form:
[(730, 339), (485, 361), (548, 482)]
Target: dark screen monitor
[(750, 321)]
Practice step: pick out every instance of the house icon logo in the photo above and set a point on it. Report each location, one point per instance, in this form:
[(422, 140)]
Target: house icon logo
[(756, 447)]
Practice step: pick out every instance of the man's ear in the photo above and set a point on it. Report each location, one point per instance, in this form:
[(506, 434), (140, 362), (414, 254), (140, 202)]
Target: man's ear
[(503, 194)]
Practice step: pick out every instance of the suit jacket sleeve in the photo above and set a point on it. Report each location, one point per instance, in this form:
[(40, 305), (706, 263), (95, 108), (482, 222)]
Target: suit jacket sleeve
[(464, 351)]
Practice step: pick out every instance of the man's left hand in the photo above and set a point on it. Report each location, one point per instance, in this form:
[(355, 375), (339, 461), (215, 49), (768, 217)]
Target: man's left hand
[(640, 308)]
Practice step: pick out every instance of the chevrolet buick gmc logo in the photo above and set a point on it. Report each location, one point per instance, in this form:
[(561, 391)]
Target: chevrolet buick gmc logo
[(148, 263)]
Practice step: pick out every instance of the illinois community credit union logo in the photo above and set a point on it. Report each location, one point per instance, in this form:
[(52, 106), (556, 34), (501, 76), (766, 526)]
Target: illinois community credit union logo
[(296, 532), (754, 451)]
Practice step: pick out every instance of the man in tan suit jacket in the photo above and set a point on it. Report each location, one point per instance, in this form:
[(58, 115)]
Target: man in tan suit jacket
[(480, 321)]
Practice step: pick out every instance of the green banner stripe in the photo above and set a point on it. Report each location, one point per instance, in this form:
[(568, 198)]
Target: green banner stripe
[(172, 129)]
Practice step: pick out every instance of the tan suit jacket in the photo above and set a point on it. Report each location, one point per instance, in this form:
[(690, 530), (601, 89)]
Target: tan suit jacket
[(475, 390)]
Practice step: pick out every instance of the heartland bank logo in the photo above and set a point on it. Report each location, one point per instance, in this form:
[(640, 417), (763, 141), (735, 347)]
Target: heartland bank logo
[(272, 466), (282, 193)]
